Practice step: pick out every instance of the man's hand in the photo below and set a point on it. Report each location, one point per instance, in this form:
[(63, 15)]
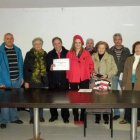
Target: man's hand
[(52, 65), (22, 81), (26, 85), (2, 86)]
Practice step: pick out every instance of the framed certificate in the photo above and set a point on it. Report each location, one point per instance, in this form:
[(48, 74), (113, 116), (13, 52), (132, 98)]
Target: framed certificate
[(61, 64)]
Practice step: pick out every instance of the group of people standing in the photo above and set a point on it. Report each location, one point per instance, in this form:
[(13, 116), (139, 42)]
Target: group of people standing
[(37, 72)]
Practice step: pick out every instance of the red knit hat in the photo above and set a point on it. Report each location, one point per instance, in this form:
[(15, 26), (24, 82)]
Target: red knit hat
[(78, 37)]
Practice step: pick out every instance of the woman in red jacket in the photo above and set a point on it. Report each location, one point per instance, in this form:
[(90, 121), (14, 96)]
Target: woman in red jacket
[(81, 66)]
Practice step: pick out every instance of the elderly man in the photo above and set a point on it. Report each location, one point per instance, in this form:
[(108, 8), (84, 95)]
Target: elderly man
[(90, 46), (11, 75), (57, 79), (120, 54)]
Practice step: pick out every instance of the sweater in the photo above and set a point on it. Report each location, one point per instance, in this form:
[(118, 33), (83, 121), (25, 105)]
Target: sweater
[(4, 66)]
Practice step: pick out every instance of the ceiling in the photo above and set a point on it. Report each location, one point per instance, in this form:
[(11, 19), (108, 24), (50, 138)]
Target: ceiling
[(65, 3)]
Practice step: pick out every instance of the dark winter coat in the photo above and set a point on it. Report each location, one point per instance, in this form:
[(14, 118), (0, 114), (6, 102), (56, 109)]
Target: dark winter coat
[(57, 79), (28, 70)]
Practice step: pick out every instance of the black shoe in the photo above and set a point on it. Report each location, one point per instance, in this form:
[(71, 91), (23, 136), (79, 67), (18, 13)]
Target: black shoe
[(116, 117), (52, 119), (66, 120), (3, 126), (31, 121), (97, 121), (42, 119), (18, 122), (105, 122)]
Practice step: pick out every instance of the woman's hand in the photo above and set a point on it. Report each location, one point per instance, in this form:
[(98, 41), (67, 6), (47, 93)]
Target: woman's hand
[(26, 85), (52, 65), (104, 76), (94, 75), (123, 88)]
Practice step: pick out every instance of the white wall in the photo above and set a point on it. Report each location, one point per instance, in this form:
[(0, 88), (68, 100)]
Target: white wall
[(99, 23)]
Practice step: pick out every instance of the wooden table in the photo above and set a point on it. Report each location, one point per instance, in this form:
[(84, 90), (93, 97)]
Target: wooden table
[(47, 98)]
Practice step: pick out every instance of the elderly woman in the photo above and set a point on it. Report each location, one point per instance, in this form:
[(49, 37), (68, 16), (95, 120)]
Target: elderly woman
[(35, 73), (105, 69), (131, 78), (81, 66)]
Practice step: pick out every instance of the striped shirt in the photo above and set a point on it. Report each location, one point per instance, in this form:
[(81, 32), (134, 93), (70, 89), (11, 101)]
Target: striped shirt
[(118, 53), (13, 63)]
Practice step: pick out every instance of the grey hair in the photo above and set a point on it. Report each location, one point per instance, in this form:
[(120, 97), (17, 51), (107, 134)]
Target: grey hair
[(37, 39), (90, 39), (117, 34)]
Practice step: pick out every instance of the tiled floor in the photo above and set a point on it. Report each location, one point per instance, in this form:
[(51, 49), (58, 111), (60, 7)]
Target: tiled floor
[(60, 131)]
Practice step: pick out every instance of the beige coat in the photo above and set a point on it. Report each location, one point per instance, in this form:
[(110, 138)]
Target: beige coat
[(127, 75), (107, 65)]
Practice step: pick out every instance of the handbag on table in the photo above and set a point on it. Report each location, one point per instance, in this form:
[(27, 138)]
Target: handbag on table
[(100, 84)]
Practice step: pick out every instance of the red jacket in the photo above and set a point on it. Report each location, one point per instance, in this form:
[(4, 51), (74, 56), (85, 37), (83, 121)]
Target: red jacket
[(80, 68)]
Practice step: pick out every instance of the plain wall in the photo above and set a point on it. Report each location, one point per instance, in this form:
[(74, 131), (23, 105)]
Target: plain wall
[(99, 23)]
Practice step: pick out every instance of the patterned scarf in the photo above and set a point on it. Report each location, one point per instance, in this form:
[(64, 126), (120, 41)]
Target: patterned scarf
[(39, 67)]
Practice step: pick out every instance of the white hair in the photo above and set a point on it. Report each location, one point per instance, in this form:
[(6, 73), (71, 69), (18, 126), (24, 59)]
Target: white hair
[(37, 39), (117, 34), (90, 39)]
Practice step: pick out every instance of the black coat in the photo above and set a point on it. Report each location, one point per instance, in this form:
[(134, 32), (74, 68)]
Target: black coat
[(28, 70), (91, 52), (57, 79)]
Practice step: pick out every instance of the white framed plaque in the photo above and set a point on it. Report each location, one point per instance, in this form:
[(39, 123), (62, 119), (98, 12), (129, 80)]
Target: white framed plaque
[(61, 64)]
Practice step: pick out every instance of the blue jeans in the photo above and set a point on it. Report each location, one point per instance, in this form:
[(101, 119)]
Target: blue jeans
[(40, 113), (10, 114), (115, 82)]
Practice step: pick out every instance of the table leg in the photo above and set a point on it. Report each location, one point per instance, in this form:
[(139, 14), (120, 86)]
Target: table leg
[(36, 127), (133, 135)]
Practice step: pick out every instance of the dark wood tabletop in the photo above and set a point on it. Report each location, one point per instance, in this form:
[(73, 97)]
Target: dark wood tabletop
[(47, 98)]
